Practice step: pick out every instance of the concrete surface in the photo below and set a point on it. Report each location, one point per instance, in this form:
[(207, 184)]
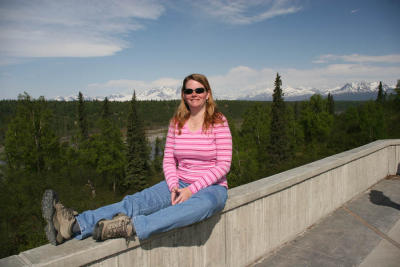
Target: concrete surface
[(258, 218), (364, 232)]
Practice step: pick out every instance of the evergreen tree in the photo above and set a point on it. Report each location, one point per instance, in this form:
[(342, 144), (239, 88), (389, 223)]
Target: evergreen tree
[(157, 161), (381, 95), (82, 119), (30, 144), (32, 156), (372, 122), (137, 152), (296, 110), (279, 142), (397, 97), (331, 104), (250, 149), (106, 109), (110, 149), (315, 119), (295, 133)]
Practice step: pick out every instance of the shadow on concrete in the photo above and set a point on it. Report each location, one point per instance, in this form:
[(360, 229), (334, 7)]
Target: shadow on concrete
[(378, 198), (193, 235), (398, 169)]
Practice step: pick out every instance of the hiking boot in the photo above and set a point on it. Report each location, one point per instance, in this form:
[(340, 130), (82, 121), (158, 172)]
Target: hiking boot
[(59, 218), (119, 226)]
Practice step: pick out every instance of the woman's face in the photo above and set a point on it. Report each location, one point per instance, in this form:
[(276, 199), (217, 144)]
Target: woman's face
[(195, 100)]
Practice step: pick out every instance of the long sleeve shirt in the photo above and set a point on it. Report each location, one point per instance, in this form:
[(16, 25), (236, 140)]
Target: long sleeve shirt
[(198, 158)]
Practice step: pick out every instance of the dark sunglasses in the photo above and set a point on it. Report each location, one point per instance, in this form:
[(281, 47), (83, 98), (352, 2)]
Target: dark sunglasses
[(188, 91)]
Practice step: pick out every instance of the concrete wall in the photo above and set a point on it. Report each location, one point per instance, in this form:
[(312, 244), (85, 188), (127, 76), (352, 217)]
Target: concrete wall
[(258, 217)]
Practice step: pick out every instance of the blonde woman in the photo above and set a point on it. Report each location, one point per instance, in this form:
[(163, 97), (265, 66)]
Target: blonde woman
[(197, 157)]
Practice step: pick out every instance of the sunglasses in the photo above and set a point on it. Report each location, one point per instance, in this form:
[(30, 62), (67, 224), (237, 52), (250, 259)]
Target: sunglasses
[(188, 91)]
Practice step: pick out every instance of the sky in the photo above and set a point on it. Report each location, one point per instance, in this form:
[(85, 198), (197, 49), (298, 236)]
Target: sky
[(57, 48)]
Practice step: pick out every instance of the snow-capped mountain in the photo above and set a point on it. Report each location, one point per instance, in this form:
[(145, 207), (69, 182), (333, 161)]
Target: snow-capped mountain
[(350, 91), (162, 93)]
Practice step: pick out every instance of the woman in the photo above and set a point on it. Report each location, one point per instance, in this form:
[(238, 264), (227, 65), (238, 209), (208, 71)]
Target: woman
[(197, 157)]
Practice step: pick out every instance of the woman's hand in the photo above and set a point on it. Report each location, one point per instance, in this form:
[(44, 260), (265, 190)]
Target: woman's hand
[(174, 195), (179, 195)]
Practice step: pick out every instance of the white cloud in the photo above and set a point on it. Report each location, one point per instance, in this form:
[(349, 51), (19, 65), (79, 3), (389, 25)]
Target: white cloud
[(355, 11), (243, 80), (356, 58), (247, 11), (73, 28)]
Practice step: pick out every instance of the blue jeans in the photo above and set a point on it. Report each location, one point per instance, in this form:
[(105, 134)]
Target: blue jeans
[(151, 210)]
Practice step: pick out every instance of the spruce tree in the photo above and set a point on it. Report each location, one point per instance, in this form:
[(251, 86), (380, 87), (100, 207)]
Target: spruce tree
[(397, 97), (278, 143), (381, 96), (331, 104), (32, 155), (30, 143), (157, 161), (110, 149), (252, 144), (105, 113), (82, 119), (137, 152)]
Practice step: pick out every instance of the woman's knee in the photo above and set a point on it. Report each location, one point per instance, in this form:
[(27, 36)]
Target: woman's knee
[(214, 199)]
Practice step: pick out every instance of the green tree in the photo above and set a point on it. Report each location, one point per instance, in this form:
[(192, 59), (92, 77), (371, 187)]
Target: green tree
[(315, 119), (317, 124), (331, 104), (82, 119), (397, 97), (250, 146), (372, 122), (137, 151), (105, 113), (295, 133), (110, 149), (158, 151), (381, 95), (32, 156), (30, 143), (279, 147)]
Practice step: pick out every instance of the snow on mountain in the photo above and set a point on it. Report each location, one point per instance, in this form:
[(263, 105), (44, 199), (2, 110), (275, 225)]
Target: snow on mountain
[(350, 91), (162, 93), (66, 98)]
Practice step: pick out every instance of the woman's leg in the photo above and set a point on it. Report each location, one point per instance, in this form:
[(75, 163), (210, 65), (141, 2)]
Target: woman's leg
[(200, 206), (145, 202)]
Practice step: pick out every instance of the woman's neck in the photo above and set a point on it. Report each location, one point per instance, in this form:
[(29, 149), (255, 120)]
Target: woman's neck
[(196, 119), (197, 114)]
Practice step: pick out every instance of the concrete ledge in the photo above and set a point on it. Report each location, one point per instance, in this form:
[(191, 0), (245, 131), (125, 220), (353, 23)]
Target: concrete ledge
[(257, 218), (252, 191)]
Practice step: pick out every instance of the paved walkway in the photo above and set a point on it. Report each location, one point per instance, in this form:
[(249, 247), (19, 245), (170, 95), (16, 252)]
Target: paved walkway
[(364, 232)]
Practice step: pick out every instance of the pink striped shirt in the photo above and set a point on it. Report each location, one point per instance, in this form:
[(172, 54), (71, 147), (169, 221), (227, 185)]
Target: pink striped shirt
[(198, 158)]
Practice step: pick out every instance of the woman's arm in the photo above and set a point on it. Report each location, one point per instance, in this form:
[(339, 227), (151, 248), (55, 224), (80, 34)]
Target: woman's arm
[(223, 142), (169, 161)]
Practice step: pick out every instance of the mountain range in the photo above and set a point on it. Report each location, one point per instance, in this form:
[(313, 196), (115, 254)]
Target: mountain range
[(350, 91)]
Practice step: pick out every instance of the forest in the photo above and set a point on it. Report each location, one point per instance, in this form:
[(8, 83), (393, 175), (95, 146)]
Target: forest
[(94, 153)]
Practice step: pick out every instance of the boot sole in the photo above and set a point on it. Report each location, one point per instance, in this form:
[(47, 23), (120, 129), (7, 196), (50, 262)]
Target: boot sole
[(48, 200)]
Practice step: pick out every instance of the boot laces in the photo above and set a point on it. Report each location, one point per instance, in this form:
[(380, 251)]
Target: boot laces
[(67, 213)]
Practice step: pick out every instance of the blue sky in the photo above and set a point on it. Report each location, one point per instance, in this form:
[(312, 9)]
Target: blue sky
[(58, 48)]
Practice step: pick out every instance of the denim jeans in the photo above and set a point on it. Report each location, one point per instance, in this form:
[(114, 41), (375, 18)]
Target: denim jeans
[(151, 210)]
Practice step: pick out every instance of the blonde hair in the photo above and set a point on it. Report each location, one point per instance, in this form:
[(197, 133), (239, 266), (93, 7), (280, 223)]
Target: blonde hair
[(211, 116)]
